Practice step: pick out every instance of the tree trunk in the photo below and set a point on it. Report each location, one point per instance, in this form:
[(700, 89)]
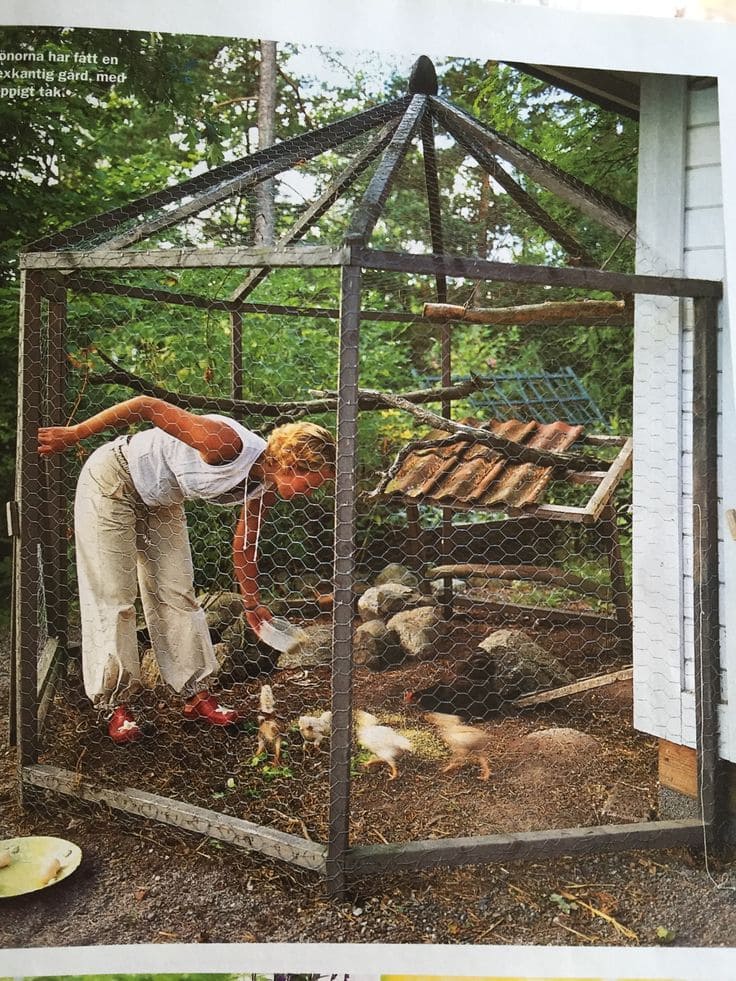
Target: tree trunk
[(264, 197)]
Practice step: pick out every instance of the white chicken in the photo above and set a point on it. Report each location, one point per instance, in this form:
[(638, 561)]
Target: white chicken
[(465, 742), (315, 728), (384, 742)]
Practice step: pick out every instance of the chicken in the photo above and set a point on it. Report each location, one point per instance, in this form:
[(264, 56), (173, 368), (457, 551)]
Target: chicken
[(266, 700), (269, 738), (472, 693), (315, 728), (269, 732), (465, 742), (384, 742)]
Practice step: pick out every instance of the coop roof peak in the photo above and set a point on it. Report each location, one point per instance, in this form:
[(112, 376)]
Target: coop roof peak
[(423, 77)]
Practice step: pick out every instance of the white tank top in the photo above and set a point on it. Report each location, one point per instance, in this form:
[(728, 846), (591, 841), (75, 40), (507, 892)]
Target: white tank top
[(167, 471)]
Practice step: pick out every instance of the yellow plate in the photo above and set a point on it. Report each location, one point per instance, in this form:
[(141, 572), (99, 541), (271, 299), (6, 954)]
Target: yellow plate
[(35, 863)]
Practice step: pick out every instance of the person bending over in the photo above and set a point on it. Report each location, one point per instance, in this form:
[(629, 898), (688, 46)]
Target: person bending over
[(131, 536)]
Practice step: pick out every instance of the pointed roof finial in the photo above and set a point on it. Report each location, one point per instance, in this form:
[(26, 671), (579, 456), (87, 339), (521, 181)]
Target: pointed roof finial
[(423, 78)]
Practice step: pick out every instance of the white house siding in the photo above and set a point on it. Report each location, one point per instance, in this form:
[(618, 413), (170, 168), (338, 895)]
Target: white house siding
[(680, 231)]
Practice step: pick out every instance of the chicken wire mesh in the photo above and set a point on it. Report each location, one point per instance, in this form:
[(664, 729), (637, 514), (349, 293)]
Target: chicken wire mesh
[(463, 606)]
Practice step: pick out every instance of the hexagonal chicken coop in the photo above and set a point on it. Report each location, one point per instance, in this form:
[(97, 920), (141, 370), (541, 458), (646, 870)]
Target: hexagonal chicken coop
[(470, 590)]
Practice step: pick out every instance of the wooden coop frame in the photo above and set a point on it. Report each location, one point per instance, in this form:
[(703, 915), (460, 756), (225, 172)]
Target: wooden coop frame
[(66, 261)]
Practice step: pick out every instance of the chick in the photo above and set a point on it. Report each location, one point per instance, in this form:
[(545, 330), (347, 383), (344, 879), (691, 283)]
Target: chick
[(269, 737), (269, 733), (384, 742), (315, 728), (464, 741)]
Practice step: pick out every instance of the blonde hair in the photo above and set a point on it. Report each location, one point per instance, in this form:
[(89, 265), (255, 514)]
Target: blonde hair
[(302, 446)]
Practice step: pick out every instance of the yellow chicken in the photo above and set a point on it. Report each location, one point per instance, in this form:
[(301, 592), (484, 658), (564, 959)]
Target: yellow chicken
[(384, 742), (315, 728), (465, 742)]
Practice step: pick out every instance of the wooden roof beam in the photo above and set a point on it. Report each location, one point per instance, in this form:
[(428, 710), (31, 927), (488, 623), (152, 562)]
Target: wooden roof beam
[(596, 205)]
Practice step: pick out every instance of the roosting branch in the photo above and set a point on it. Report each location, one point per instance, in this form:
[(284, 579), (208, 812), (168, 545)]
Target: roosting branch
[(326, 402), (460, 432), (581, 313)]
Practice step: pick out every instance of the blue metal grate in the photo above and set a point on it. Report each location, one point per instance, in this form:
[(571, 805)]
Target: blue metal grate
[(544, 397)]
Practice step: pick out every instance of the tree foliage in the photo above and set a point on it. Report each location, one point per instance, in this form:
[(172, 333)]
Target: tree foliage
[(189, 103)]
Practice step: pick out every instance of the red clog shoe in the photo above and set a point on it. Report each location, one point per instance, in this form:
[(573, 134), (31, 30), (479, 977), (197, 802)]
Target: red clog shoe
[(122, 727), (206, 708)]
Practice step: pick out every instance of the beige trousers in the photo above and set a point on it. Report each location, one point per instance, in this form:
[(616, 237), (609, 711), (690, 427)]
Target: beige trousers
[(124, 547)]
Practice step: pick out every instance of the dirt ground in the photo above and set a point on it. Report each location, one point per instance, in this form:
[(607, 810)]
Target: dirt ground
[(141, 882)]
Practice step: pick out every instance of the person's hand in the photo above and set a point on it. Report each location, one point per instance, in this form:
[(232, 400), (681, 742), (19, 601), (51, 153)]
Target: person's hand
[(257, 616), (56, 439)]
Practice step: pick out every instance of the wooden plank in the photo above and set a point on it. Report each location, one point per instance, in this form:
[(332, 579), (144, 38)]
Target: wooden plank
[(703, 104), (321, 206), (588, 684), (590, 201), (704, 228), (577, 255), (549, 575), (29, 494), (372, 202), (59, 487), (658, 635), (46, 661), (607, 528), (302, 145), (223, 827), (703, 187), (703, 145), (553, 512), (236, 355), (510, 272), (602, 495), (678, 768), (343, 580), (523, 846), (706, 562), (517, 611), (299, 256), (87, 284)]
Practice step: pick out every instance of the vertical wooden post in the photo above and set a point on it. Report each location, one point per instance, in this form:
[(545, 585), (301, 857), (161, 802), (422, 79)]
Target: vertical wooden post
[(236, 354), (705, 562), (29, 494), (58, 490), (445, 331), (344, 576), (608, 531)]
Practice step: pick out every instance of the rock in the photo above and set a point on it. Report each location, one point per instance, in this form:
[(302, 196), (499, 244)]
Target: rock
[(420, 631), (221, 608), (522, 666), (314, 652), (394, 572), (376, 646), (560, 742), (378, 602)]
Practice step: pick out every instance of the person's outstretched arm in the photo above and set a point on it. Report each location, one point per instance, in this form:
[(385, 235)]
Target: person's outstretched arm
[(245, 560), (215, 440)]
